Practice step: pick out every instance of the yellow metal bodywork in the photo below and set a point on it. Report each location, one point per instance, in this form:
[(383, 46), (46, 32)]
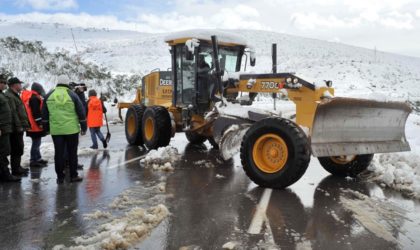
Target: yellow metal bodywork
[(155, 93), (306, 99), (270, 153)]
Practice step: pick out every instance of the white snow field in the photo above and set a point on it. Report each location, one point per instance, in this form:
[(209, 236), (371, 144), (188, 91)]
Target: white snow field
[(355, 72)]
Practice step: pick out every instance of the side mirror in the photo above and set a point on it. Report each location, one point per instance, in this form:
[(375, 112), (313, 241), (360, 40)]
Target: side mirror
[(252, 58)]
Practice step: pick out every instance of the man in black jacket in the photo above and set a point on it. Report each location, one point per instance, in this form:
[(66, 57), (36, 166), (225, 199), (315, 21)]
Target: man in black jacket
[(33, 101), (5, 130)]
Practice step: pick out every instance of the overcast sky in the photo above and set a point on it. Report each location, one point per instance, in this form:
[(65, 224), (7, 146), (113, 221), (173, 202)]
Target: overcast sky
[(388, 25)]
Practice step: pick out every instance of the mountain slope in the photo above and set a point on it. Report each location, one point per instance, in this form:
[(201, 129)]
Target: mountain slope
[(354, 71)]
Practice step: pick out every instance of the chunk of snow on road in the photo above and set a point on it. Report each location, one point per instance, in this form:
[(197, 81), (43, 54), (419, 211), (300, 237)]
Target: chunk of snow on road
[(219, 176), (97, 215), (161, 159), (400, 171), (230, 245)]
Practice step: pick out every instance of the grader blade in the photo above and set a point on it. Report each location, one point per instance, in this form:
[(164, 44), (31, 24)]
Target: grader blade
[(349, 126)]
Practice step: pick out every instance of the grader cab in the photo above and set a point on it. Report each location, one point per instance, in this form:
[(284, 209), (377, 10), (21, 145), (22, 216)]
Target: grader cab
[(343, 133)]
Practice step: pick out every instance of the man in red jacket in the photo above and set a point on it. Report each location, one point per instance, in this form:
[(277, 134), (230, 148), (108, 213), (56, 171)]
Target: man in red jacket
[(33, 101), (95, 110)]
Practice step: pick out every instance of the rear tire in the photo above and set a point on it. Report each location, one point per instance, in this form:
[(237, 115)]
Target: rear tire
[(156, 127), (339, 167), (195, 138), (133, 122), (275, 153)]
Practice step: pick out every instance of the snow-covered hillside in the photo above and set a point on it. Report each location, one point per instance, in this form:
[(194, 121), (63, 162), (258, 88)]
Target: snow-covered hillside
[(354, 71)]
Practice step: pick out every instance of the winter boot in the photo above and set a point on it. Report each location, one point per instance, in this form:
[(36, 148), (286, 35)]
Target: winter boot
[(5, 176), (19, 171)]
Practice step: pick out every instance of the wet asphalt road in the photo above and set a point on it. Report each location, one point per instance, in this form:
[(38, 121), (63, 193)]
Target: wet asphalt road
[(211, 203)]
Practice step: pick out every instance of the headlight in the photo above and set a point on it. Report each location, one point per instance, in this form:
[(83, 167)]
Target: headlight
[(289, 80), (295, 80)]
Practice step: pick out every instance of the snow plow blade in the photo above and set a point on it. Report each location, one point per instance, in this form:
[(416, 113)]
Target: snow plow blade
[(349, 126)]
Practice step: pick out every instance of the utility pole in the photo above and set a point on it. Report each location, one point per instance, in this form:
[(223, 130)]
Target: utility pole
[(81, 77)]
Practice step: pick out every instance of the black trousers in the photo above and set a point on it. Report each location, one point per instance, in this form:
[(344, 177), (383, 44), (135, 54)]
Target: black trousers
[(4, 152), (16, 149), (68, 143)]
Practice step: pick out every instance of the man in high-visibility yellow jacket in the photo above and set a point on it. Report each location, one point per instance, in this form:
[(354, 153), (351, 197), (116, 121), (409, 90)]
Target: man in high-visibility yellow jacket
[(64, 116)]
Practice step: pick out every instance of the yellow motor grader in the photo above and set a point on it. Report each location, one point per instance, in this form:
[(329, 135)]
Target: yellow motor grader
[(275, 151)]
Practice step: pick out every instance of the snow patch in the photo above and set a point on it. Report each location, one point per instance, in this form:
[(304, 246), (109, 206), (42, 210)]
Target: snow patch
[(161, 159)]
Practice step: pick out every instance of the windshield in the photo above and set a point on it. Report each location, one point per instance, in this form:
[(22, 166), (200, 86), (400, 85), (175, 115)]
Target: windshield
[(228, 57)]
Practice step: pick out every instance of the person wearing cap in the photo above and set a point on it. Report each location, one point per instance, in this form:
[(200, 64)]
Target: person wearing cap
[(20, 124), (95, 111), (63, 116), (33, 101), (5, 130)]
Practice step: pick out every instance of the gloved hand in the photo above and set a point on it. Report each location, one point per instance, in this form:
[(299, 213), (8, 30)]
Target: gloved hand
[(83, 127)]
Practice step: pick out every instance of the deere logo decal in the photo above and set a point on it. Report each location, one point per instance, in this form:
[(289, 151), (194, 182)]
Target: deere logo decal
[(164, 82)]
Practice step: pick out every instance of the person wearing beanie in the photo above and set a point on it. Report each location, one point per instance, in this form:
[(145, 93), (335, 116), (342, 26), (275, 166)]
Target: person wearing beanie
[(63, 116), (5, 130), (20, 124), (95, 111), (33, 101)]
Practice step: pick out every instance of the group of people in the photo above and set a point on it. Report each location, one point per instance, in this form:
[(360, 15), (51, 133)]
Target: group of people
[(63, 113)]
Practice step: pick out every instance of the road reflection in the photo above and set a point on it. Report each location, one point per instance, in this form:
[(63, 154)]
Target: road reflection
[(327, 225)]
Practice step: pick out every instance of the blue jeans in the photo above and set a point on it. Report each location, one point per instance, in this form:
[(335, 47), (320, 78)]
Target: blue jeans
[(35, 152), (96, 132)]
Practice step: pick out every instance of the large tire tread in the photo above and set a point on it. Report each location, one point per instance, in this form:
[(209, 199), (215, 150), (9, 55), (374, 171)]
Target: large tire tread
[(138, 111), (162, 129), (298, 147)]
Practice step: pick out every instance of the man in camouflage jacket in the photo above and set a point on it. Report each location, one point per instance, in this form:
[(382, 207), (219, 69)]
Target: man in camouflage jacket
[(5, 130), (20, 124)]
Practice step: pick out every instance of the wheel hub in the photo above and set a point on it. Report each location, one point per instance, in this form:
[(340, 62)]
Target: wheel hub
[(270, 153), (343, 159)]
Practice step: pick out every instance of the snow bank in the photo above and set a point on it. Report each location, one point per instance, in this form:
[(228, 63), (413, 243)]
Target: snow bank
[(161, 159), (401, 171), (123, 230)]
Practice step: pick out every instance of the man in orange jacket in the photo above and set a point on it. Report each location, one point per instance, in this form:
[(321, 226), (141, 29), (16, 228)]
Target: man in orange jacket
[(95, 111)]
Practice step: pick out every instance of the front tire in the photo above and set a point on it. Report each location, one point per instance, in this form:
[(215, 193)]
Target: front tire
[(156, 127), (275, 153), (346, 165)]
